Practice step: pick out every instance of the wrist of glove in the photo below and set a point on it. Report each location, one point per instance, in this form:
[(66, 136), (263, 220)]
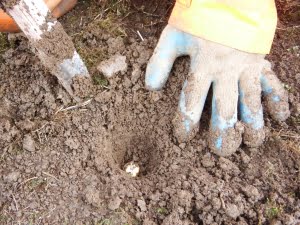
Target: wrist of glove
[(238, 79)]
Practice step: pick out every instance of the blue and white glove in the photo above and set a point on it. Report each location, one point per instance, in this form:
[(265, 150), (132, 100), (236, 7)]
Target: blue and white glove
[(238, 79)]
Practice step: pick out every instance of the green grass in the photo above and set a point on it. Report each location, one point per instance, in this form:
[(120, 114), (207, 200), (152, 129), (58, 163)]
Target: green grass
[(110, 25), (4, 44), (162, 211), (35, 183), (100, 80), (3, 219), (273, 210), (117, 7)]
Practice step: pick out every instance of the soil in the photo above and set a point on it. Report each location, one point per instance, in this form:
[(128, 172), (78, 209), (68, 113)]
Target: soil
[(65, 165), (9, 4)]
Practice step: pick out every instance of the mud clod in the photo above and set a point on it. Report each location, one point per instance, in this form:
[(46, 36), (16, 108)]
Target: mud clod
[(253, 138), (112, 66), (114, 203), (233, 211), (29, 143), (142, 205), (251, 192)]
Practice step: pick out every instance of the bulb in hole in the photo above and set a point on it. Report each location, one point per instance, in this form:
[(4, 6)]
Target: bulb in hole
[(132, 169)]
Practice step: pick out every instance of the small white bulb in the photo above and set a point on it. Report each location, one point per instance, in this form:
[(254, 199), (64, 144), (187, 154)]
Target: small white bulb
[(132, 169)]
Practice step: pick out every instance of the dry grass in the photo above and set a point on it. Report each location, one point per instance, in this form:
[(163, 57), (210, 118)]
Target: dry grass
[(291, 139)]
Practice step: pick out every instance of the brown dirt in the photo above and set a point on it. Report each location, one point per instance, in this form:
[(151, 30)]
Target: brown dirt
[(66, 167), (9, 4)]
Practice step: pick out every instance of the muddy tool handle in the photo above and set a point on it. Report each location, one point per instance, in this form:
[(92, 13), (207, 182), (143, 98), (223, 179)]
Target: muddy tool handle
[(54, 47), (57, 7)]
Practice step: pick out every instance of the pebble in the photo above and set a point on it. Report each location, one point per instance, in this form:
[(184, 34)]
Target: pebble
[(12, 177), (112, 66), (142, 205), (251, 192), (232, 211), (114, 203), (28, 143)]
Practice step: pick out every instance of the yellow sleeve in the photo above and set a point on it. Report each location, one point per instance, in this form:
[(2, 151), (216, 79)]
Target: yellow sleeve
[(246, 25)]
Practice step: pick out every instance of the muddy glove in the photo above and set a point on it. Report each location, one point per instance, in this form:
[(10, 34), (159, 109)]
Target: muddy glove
[(238, 78)]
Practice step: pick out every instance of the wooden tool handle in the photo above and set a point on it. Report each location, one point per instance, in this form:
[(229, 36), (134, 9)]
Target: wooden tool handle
[(57, 7)]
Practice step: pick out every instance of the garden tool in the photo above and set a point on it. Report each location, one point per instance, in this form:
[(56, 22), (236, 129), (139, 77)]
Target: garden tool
[(54, 47), (57, 7), (227, 42)]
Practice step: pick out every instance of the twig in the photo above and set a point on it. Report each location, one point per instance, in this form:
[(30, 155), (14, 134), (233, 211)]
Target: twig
[(81, 20), (153, 24), (129, 13), (289, 136), (24, 182), (96, 17), (16, 204), (140, 36), (222, 201), (41, 127), (50, 175), (286, 28), (75, 106), (147, 13), (112, 6)]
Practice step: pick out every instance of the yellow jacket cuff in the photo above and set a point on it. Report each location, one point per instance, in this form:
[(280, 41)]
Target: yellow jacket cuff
[(247, 25)]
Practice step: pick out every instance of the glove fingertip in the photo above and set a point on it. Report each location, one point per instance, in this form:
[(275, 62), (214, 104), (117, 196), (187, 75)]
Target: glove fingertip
[(153, 79), (279, 110), (227, 142)]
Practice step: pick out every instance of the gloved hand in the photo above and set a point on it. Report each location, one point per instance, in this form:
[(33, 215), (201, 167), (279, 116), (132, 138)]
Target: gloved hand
[(237, 77)]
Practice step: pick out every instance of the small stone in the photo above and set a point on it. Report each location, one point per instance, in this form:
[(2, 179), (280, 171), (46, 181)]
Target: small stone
[(228, 166), (12, 177), (232, 211), (297, 109), (207, 161), (245, 158), (182, 145), (92, 196), (28, 143), (216, 203), (72, 143), (114, 203), (112, 66), (156, 95), (136, 73), (142, 205), (148, 222), (276, 222), (251, 192)]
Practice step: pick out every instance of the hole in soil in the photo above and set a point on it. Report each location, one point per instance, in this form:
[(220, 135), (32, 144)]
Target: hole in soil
[(140, 149), (297, 193), (195, 213)]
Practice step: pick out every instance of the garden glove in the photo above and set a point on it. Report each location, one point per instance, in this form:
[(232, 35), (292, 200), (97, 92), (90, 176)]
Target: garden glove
[(237, 79), (227, 42)]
